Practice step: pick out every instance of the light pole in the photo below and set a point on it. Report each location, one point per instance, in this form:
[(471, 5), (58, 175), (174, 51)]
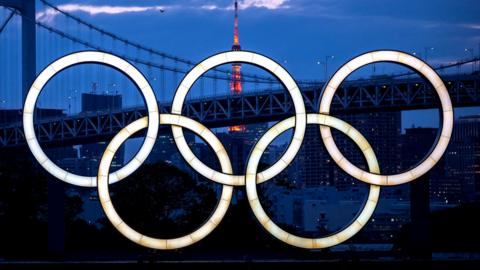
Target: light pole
[(74, 97), (426, 52), (328, 57), (470, 50), (69, 104)]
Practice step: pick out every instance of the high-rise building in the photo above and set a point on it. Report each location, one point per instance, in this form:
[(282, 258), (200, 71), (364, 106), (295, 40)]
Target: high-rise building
[(314, 166), (166, 151), (416, 144), (455, 178), (239, 145), (92, 102), (317, 197), (462, 162)]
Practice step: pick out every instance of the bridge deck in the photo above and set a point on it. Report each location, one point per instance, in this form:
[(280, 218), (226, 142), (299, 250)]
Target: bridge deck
[(261, 106)]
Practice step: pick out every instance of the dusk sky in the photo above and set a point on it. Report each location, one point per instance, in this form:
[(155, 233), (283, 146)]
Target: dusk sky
[(298, 33)]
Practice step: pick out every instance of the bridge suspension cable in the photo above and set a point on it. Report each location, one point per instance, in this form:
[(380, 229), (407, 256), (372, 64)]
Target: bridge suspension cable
[(164, 55), (63, 34), (399, 75), (4, 24)]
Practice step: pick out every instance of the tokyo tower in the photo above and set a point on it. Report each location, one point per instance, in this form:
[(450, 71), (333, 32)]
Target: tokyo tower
[(236, 79)]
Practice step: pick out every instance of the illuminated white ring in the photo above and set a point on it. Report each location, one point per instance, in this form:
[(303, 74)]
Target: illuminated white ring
[(115, 219), (447, 114), (269, 225), (99, 58), (263, 62)]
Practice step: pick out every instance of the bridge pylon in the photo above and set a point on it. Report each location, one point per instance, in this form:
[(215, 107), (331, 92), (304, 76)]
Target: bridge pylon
[(27, 10)]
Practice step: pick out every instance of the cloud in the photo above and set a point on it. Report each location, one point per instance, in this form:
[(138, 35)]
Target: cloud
[(94, 10), (49, 14), (268, 4), (471, 26), (247, 4), (210, 7)]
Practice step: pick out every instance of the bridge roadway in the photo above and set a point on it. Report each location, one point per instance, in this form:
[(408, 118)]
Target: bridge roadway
[(260, 106)]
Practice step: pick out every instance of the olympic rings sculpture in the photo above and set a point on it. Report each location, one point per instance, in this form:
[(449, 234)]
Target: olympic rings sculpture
[(226, 177)]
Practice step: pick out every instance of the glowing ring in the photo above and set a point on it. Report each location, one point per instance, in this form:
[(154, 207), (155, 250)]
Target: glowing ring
[(262, 62), (289, 238), (99, 58), (226, 177), (440, 144), (121, 226)]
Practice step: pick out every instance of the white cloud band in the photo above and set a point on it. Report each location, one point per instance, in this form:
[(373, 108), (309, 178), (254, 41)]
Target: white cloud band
[(49, 14)]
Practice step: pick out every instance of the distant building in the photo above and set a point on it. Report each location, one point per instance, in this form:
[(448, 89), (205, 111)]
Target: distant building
[(330, 210), (455, 179), (91, 154), (320, 211), (382, 130), (312, 166), (166, 151), (316, 168), (239, 145), (317, 198), (64, 157), (92, 102), (416, 144), (387, 221), (86, 158), (462, 162), (83, 160)]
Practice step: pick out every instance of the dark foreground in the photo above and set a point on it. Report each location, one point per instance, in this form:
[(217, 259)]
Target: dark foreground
[(245, 264)]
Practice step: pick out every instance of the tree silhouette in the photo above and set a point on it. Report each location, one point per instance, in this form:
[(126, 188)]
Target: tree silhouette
[(23, 209), (452, 230), (160, 200)]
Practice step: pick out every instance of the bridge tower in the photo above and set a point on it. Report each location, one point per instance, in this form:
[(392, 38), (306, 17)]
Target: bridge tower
[(236, 79), (27, 10), (56, 189)]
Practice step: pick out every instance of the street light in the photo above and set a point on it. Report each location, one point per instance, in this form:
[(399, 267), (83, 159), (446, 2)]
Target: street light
[(328, 57), (75, 92), (426, 52), (69, 104)]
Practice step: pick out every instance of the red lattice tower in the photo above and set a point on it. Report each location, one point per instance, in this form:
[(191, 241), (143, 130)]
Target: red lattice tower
[(236, 79)]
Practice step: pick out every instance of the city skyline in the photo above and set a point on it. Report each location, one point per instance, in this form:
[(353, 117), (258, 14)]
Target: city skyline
[(257, 17), (268, 146)]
